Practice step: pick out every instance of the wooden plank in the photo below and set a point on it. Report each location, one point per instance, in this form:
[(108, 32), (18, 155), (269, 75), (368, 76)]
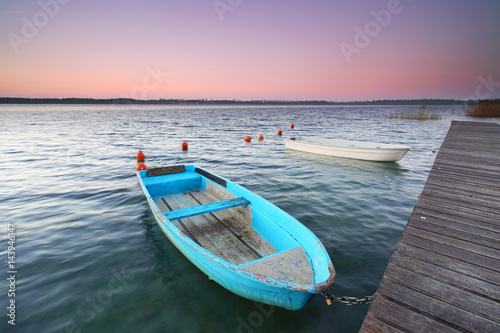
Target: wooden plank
[(292, 265), (211, 234), (178, 223), (447, 313), (462, 199), (237, 220), (460, 210), (474, 177), (475, 191), (445, 229), (205, 209), (474, 227), (428, 285), (446, 275), (398, 318), (457, 265), (372, 325), (454, 242), (490, 223), (451, 251), (448, 159), (468, 184), (467, 167)]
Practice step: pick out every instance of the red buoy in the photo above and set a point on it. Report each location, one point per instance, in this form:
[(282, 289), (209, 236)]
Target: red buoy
[(140, 156), (280, 132), (141, 166), (248, 139), (184, 146), (261, 137), (292, 126)]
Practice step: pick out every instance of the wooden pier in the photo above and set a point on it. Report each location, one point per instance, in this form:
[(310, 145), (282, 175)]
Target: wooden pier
[(444, 275)]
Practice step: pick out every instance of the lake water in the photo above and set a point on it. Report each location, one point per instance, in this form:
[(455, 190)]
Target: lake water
[(89, 256)]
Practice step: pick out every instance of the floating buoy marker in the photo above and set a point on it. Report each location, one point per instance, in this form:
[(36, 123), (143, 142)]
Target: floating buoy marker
[(184, 146), (140, 157), (140, 161), (261, 137), (280, 132), (292, 126), (141, 166), (248, 139)]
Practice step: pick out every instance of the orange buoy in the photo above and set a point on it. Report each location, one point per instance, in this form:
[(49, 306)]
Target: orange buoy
[(292, 126), (140, 156), (141, 166), (184, 146), (261, 137), (280, 132), (248, 139)]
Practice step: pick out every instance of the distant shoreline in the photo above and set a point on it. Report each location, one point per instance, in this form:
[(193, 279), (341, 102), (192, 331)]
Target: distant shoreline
[(129, 101)]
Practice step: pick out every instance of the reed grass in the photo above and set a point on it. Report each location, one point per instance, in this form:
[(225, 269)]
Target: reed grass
[(484, 108), (422, 114)]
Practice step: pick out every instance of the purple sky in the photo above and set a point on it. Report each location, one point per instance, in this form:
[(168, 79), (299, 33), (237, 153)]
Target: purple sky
[(242, 49)]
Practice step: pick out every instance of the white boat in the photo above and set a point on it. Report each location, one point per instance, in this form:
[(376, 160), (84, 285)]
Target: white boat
[(369, 151)]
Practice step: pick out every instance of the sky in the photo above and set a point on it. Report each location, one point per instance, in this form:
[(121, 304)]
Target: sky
[(335, 50)]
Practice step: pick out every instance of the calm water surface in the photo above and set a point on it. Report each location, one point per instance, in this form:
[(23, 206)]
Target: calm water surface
[(90, 257)]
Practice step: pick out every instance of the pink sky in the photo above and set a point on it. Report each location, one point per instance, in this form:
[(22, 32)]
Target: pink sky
[(241, 49)]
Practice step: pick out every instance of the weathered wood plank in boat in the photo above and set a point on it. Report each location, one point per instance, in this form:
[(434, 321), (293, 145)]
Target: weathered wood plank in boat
[(213, 236), (163, 207), (191, 229), (282, 264), (446, 267), (238, 220)]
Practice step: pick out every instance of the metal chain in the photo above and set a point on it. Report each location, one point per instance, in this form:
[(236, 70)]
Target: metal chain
[(330, 299)]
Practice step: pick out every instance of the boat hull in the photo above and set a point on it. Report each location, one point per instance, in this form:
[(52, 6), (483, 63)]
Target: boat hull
[(240, 278), (350, 149)]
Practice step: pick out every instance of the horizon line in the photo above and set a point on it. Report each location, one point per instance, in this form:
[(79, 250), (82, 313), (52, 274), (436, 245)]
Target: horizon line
[(90, 100)]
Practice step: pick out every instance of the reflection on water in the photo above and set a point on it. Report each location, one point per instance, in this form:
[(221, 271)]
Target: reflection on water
[(90, 256)]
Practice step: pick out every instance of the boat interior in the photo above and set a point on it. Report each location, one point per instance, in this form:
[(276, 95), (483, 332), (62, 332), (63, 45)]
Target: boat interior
[(229, 227)]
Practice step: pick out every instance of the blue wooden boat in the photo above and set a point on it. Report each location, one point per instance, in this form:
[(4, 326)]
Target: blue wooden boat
[(240, 240)]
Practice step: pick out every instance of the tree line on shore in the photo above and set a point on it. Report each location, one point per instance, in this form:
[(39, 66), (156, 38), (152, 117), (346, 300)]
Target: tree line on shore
[(130, 101)]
